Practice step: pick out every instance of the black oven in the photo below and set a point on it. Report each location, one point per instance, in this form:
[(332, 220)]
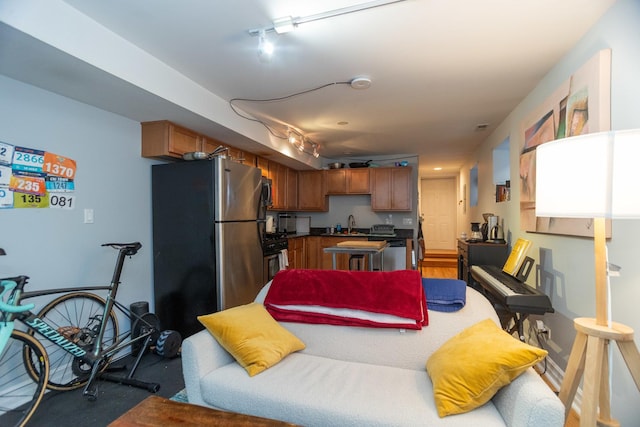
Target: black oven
[(272, 246)]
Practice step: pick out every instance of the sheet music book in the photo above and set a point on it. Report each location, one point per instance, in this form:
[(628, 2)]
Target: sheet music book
[(516, 257)]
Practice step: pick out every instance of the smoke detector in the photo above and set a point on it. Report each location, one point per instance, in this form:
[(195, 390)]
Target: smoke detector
[(361, 83)]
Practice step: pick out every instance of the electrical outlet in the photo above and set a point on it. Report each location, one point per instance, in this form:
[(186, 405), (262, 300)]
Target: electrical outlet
[(542, 329), (407, 221)]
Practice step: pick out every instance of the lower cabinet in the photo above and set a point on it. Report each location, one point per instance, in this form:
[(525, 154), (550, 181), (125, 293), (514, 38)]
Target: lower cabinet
[(296, 251)]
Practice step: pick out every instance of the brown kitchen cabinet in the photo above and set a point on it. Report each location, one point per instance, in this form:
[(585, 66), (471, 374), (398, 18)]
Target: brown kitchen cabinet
[(312, 191), (263, 165), (296, 251), (348, 181), (313, 253), (161, 139), (391, 189), (233, 153), (291, 197), (278, 175), (284, 187), (164, 139)]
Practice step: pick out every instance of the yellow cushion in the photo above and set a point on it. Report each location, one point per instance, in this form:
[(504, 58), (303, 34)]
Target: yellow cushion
[(473, 365), (252, 336)]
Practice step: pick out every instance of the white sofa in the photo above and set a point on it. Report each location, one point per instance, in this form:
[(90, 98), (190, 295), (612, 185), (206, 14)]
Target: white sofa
[(354, 376)]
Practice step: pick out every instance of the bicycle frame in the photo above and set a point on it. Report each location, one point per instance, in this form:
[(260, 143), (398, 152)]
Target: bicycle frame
[(14, 311), (49, 332)]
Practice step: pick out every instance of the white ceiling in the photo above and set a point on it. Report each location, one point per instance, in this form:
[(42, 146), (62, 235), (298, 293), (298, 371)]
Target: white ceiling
[(438, 68)]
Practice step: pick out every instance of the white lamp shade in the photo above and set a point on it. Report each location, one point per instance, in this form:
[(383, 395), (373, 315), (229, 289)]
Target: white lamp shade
[(589, 176)]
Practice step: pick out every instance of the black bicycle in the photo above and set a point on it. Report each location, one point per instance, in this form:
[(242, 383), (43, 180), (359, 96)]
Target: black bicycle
[(82, 337)]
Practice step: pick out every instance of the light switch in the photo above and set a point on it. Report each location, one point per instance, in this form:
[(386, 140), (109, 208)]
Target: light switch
[(88, 216)]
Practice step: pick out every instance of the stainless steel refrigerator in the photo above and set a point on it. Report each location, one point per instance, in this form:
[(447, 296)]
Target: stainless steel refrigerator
[(208, 222)]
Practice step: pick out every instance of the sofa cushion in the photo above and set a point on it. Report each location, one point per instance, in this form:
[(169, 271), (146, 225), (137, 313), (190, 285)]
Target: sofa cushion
[(252, 336), (472, 366), (316, 391)]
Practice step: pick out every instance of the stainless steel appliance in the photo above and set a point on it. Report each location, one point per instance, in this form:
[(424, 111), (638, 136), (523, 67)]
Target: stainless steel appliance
[(208, 224), (287, 223), (272, 246), (395, 256)]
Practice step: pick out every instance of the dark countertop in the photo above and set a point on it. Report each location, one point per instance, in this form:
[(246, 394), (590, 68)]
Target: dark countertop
[(401, 233)]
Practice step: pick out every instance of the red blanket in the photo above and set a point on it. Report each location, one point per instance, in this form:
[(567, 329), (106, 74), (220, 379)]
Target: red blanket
[(392, 299)]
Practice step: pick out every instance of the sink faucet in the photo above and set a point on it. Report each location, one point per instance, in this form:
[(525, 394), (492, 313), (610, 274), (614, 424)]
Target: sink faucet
[(351, 223)]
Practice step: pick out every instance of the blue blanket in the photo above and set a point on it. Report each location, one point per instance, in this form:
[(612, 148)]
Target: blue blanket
[(446, 295)]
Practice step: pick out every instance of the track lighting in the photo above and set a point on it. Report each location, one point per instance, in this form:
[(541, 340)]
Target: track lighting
[(299, 141), (283, 25), (265, 47)]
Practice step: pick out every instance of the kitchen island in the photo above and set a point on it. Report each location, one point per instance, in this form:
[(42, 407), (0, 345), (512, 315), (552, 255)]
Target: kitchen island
[(355, 248)]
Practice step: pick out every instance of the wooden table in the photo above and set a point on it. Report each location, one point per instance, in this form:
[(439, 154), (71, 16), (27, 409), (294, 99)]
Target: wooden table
[(357, 247), (157, 411)]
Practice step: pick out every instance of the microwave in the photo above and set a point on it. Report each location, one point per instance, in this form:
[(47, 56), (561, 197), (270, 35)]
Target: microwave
[(287, 223)]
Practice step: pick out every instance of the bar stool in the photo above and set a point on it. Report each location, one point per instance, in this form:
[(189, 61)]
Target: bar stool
[(358, 260)]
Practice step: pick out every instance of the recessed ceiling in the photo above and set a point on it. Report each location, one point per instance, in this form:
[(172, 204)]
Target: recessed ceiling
[(439, 69)]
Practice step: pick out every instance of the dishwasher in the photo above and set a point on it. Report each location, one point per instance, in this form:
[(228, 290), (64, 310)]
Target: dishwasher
[(395, 256)]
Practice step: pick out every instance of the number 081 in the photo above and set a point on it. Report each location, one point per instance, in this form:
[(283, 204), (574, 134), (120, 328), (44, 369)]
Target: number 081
[(61, 201)]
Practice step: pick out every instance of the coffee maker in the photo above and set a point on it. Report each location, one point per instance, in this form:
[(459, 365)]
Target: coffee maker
[(485, 226), (496, 234), (476, 235)]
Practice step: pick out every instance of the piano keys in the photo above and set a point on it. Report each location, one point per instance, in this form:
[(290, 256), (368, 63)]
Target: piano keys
[(516, 298)]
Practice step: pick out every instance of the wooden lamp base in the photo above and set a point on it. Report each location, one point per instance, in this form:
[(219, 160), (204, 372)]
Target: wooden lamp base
[(589, 357)]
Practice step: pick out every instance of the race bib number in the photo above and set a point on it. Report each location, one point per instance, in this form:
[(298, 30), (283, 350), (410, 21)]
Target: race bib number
[(56, 165), (27, 184), (62, 201), (6, 198), (5, 175), (56, 184), (28, 160), (21, 200), (6, 153)]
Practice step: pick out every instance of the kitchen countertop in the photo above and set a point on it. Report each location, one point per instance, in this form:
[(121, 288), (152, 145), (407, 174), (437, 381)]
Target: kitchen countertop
[(401, 233)]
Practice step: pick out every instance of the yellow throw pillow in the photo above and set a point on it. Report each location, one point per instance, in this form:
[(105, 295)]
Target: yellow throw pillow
[(473, 365), (251, 336)]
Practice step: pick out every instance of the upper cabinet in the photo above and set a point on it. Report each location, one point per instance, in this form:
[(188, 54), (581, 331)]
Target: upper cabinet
[(391, 189), (348, 181), (164, 139), (312, 191), (284, 184)]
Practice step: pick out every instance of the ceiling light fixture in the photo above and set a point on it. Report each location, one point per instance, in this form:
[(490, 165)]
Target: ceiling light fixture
[(265, 47), (360, 83), (287, 23), (283, 25), (299, 141)]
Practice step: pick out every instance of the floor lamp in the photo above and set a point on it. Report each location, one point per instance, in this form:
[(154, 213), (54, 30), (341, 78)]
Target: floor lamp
[(593, 176)]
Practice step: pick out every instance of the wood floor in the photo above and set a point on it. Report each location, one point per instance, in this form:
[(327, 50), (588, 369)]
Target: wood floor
[(443, 265)]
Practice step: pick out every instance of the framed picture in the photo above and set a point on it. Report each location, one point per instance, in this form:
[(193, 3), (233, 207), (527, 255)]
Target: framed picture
[(579, 106)]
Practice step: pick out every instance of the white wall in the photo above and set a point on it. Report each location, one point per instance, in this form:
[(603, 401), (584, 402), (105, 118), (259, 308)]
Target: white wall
[(569, 260), (53, 246)]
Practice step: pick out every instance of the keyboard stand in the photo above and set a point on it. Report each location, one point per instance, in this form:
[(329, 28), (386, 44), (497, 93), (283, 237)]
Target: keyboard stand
[(506, 317)]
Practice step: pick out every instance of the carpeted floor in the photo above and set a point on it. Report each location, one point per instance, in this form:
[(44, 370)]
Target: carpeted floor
[(71, 408)]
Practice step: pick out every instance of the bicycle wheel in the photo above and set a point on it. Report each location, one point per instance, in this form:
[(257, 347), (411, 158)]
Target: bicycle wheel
[(20, 394), (77, 316)]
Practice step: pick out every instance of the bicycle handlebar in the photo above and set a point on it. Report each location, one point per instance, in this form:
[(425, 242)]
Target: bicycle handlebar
[(8, 285)]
